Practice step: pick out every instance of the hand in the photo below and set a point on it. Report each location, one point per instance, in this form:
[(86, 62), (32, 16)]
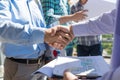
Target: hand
[(65, 32), (83, 2), (69, 76), (58, 36), (79, 16)]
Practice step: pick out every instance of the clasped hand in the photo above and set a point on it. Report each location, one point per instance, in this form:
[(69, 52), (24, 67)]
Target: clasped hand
[(58, 36)]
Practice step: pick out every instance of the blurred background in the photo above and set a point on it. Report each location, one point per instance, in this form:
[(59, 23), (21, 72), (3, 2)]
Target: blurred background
[(95, 7)]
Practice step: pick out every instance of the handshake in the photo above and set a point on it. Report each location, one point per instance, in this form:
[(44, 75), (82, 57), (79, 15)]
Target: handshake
[(58, 36)]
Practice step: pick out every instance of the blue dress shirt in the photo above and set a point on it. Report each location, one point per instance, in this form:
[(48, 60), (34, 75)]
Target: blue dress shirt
[(27, 17)]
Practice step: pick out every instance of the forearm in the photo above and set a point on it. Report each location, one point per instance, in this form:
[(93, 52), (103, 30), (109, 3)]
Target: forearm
[(15, 32), (101, 25), (50, 19), (20, 34), (64, 19)]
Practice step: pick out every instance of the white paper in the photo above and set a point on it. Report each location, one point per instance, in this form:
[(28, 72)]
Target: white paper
[(91, 66), (47, 69), (97, 7), (77, 65)]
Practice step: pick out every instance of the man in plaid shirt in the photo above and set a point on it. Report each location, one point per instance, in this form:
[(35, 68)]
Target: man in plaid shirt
[(87, 45)]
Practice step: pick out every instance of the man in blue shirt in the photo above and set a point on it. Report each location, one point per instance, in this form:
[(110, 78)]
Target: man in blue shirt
[(24, 19), (13, 34)]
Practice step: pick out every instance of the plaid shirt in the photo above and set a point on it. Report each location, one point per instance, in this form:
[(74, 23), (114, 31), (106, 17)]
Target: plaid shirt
[(76, 7), (54, 9), (85, 40)]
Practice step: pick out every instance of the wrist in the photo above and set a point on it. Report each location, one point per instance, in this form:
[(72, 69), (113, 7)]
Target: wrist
[(71, 17)]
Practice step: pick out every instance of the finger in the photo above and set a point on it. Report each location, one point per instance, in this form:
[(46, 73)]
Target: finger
[(71, 32), (60, 39), (83, 11), (63, 40), (63, 28), (58, 42), (69, 76), (58, 28), (68, 36), (85, 15), (65, 35), (53, 31), (60, 45), (56, 45), (67, 70)]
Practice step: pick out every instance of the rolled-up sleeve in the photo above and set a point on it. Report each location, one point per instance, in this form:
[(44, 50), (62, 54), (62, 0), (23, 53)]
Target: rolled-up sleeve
[(49, 13)]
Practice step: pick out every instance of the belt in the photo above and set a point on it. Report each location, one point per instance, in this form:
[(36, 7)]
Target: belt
[(27, 61)]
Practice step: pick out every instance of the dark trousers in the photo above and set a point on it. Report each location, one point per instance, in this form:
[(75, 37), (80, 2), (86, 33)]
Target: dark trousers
[(93, 50), (69, 51)]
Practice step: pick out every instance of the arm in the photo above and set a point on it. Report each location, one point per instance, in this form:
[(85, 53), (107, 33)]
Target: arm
[(105, 24), (18, 33), (80, 15), (50, 16), (99, 25), (14, 32)]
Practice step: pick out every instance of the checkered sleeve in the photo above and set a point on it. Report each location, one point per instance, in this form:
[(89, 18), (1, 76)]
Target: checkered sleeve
[(48, 10)]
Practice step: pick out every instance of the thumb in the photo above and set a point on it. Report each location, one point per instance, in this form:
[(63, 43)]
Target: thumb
[(64, 29), (53, 31), (59, 28)]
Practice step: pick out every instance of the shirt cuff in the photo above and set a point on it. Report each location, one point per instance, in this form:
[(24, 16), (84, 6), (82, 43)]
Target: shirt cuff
[(38, 35), (80, 29)]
